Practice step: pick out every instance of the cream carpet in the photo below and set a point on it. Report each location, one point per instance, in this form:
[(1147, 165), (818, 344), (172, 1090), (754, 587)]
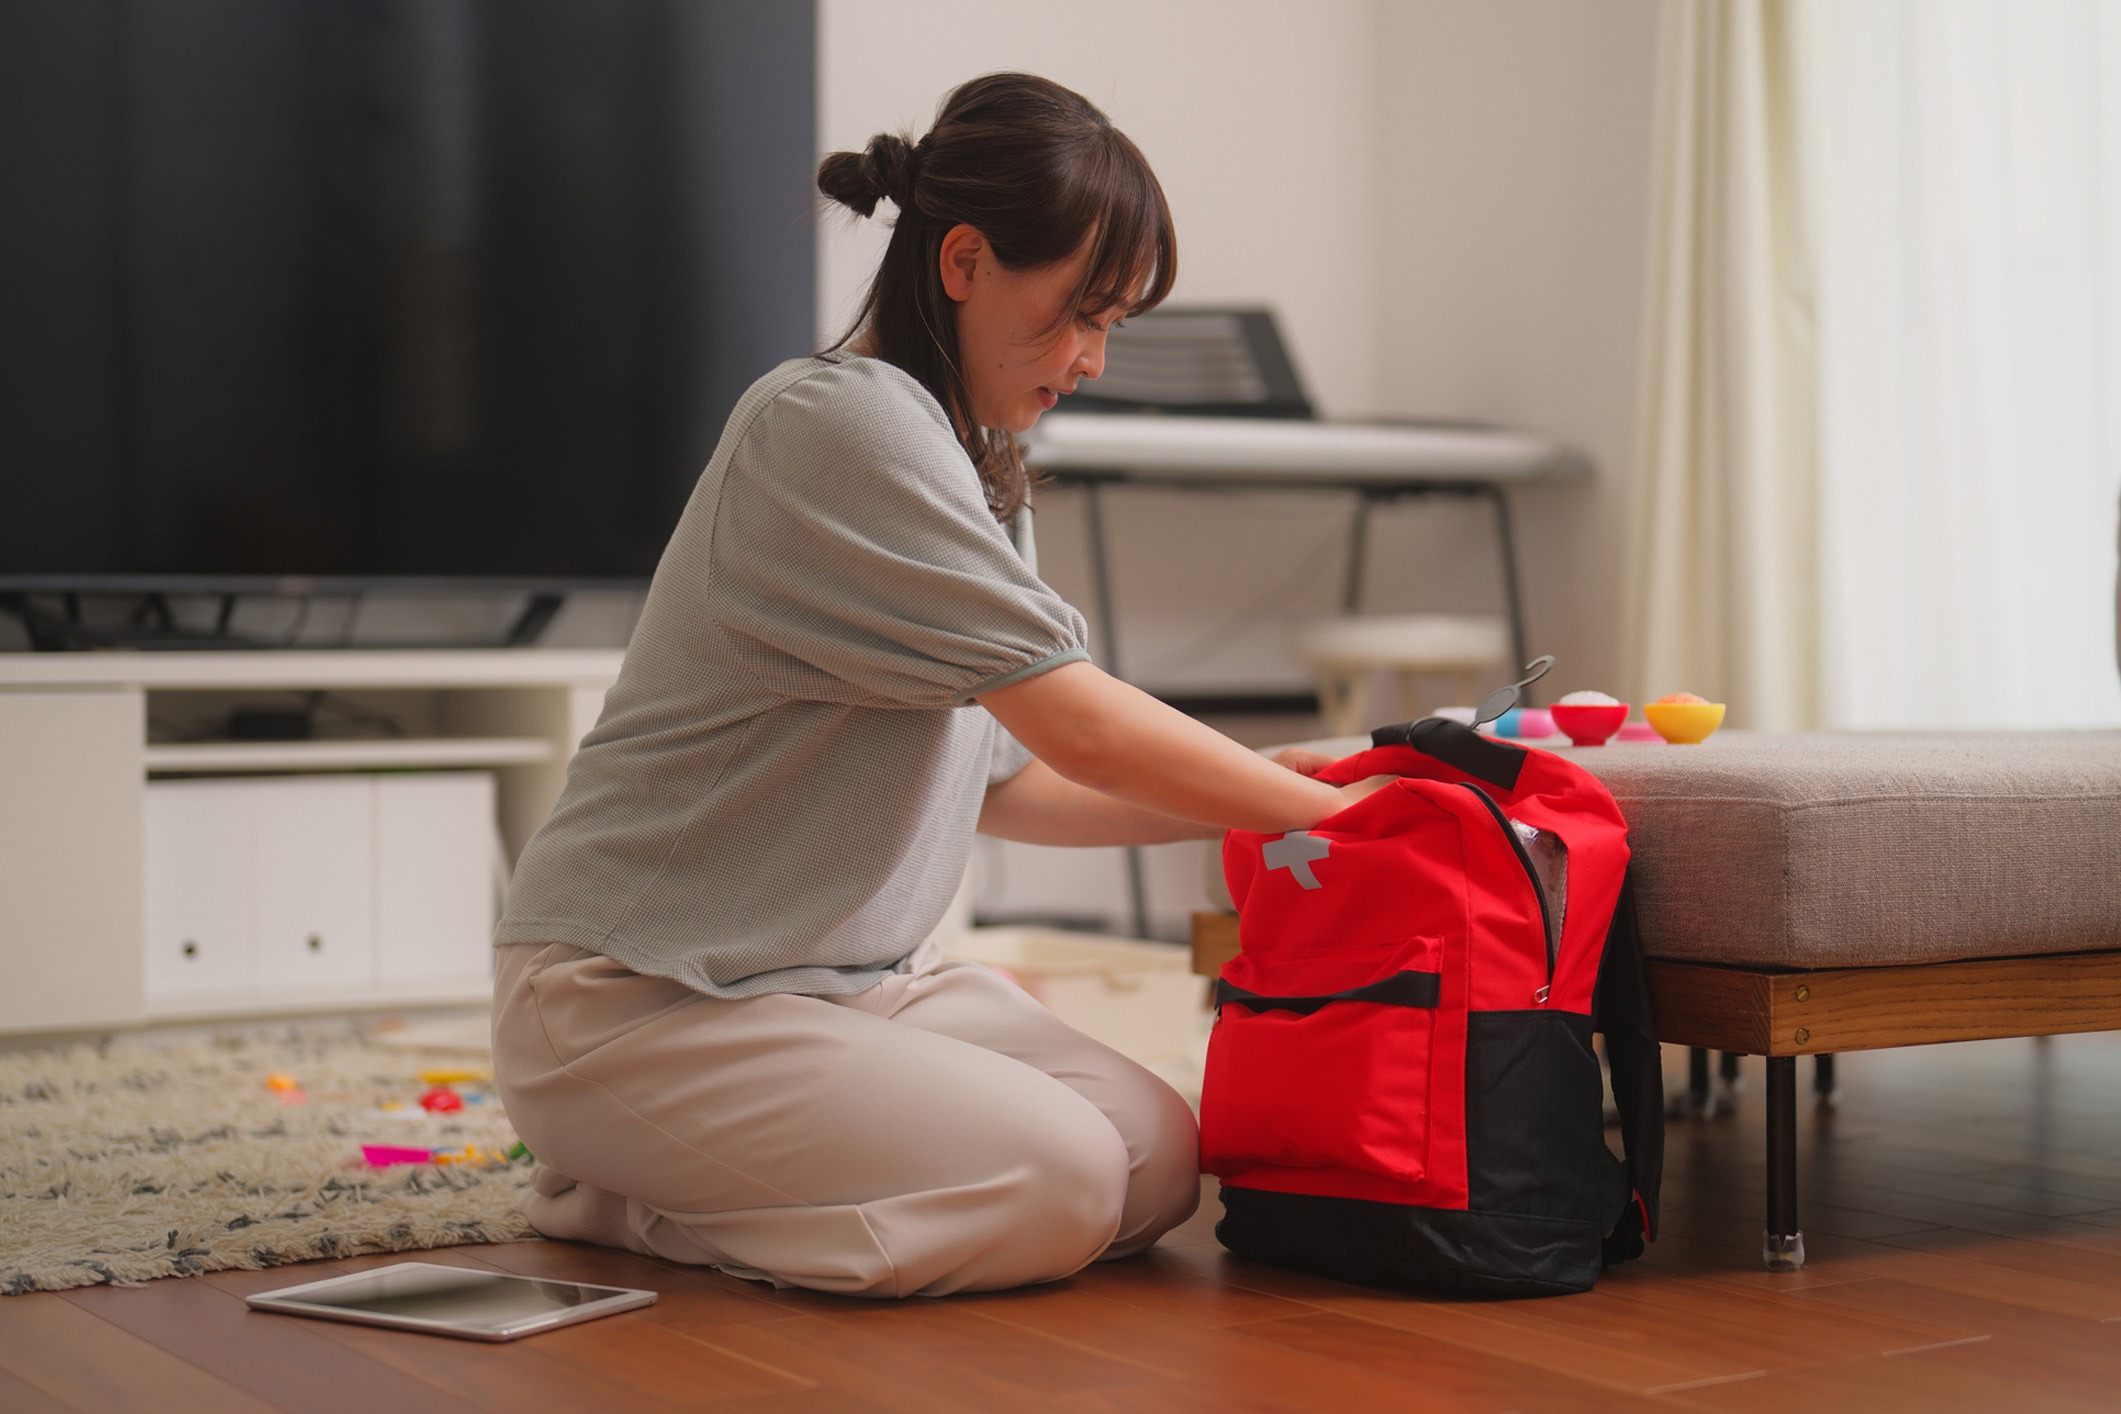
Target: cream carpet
[(132, 1160)]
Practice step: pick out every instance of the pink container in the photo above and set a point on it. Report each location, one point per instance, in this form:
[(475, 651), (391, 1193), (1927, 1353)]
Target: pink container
[(384, 1155)]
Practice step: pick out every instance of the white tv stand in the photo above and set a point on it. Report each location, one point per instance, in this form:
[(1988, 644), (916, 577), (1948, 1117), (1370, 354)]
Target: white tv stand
[(82, 734)]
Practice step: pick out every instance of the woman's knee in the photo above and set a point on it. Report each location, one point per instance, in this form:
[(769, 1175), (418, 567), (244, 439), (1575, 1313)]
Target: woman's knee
[(1104, 1191), (1163, 1187), (1077, 1178)]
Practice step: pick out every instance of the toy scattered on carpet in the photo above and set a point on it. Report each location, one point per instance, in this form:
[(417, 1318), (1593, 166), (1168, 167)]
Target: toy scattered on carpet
[(454, 1077), (385, 1155), (441, 1100), (448, 1092)]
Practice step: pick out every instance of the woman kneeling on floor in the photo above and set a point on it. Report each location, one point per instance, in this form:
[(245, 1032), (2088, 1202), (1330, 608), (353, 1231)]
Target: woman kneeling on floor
[(716, 1022)]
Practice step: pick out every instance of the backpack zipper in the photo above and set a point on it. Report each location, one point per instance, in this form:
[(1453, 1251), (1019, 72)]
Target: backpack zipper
[(1524, 857)]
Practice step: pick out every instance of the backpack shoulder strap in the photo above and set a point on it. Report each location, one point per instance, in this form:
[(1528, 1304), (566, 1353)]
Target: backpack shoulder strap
[(1620, 1008)]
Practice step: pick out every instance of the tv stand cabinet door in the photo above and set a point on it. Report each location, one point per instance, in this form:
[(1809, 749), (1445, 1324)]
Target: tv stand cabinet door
[(199, 937), (313, 885), (72, 767), (436, 857)]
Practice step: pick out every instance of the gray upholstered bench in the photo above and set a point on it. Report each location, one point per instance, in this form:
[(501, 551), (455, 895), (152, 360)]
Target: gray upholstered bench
[(1804, 895)]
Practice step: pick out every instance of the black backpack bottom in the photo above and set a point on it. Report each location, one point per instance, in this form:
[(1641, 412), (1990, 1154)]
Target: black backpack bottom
[(1435, 1250)]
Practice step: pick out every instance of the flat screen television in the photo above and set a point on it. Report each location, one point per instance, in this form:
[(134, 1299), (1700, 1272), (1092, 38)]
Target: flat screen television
[(383, 292)]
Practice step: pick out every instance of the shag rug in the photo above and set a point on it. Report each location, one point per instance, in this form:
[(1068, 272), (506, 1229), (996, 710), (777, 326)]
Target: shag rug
[(131, 1160)]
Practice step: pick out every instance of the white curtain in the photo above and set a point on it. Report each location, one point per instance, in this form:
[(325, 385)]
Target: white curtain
[(1881, 441), (1964, 158), (1722, 598)]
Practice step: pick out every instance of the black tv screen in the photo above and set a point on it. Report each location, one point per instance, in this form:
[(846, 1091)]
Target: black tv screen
[(387, 289)]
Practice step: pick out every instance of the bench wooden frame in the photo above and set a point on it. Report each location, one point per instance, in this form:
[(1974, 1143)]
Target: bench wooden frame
[(1782, 1014)]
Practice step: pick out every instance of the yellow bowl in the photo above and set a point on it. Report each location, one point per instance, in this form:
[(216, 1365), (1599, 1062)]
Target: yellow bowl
[(1683, 723)]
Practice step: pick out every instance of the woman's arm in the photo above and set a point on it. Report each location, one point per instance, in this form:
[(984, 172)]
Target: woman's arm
[(1038, 805), (1116, 740)]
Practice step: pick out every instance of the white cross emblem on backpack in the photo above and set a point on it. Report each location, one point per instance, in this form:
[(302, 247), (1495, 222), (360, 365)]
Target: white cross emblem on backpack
[(1295, 852)]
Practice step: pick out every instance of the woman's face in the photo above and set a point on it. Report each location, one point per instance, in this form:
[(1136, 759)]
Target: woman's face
[(1021, 356)]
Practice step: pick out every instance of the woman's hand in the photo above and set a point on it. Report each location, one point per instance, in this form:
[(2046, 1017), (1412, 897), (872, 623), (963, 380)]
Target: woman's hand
[(1301, 761), (1363, 789), (1309, 763)]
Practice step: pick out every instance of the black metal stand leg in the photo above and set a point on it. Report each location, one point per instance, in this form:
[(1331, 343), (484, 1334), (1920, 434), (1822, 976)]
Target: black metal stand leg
[(1824, 1085), (1108, 643), (1100, 577), (1137, 893), (1512, 592), (1783, 1250), (1701, 1101), (1358, 557), (1730, 1081)]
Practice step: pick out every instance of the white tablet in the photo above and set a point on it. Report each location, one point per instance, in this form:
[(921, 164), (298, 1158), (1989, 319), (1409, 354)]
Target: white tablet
[(460, 1301)]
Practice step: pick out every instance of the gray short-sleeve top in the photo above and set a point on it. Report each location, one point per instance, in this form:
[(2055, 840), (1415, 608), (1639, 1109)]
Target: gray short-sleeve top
[(781, 792)]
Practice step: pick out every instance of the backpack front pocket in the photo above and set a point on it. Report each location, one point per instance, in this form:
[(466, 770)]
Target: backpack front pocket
[(1323, 1062)]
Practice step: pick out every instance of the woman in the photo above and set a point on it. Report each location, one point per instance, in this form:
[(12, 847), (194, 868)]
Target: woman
[(715, 1023)]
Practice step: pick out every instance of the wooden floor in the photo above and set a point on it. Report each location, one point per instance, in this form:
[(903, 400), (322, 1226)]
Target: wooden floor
[(1962, 1210)]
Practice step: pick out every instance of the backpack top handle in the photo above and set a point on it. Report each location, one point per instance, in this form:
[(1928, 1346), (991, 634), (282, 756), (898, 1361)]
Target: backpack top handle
[(1483, 758)]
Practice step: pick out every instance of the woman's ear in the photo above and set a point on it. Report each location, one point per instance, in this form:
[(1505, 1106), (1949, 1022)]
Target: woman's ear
[(961, 250)]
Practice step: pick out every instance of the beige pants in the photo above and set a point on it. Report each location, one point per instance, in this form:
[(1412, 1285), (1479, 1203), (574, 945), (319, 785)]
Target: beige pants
[(939, 1132)]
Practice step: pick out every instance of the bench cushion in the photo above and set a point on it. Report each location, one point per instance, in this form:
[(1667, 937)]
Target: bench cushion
[(1869, 849), (1865, 849)]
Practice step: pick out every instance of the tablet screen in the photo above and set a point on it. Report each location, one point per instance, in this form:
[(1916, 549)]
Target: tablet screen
[(452, 1300)]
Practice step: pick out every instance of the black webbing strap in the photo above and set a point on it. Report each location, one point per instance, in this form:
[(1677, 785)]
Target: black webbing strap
[(1621, 1009), (1416, 989), (1481, 757)]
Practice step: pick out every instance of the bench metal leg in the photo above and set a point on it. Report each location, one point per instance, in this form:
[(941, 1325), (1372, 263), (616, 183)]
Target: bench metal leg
[(1783, 1250), (1824, 1085), (1731, 1077)]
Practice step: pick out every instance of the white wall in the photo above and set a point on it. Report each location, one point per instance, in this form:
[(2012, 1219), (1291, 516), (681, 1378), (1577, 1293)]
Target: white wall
[(1515, 208)]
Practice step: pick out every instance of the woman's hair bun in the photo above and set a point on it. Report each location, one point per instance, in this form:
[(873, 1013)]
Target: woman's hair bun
[(884, 171)]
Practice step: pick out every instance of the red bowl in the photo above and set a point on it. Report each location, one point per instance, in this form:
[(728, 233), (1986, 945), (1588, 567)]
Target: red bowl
[(1588, 725)]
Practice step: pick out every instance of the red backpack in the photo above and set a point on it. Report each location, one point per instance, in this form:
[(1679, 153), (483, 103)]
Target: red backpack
[(1401, 1088)]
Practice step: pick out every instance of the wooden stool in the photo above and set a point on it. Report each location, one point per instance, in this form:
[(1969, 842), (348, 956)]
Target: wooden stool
[(1341, 652)]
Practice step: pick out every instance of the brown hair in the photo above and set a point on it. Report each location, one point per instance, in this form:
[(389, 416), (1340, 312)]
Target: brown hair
[(1034, 168)]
